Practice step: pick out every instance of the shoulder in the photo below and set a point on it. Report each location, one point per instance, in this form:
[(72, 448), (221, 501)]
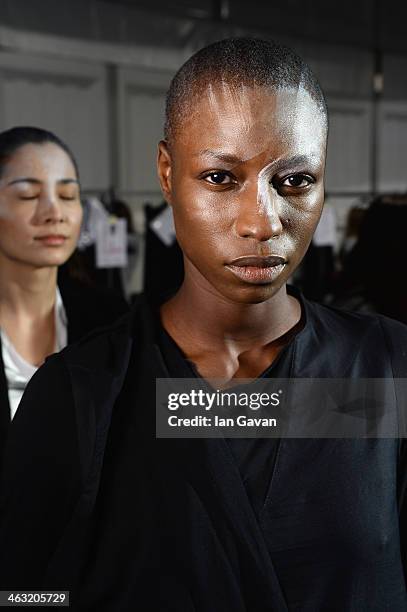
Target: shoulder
[(88, 307), (75, 378), (69, 400), (101, 348), (377, 344), (358, 323)]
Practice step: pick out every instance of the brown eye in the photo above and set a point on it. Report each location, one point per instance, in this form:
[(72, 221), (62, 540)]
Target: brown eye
[(218, 178), (297, 180)]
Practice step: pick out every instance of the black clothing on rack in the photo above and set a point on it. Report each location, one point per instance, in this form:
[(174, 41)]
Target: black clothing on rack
[(374, 277), (163, 265)]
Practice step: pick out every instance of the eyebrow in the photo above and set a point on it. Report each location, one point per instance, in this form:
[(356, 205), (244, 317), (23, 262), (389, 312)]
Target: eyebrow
[(225, 157), (280, 164), (34, 181)]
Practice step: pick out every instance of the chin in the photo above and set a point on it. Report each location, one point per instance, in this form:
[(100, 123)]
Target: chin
[(51, 260), (254, 294)]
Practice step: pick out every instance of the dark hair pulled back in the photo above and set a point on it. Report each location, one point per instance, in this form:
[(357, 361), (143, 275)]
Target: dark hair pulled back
[(11, 140)]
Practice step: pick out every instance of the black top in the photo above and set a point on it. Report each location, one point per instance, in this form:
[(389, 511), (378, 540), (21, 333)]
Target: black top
[(92, 502), (254, 457)]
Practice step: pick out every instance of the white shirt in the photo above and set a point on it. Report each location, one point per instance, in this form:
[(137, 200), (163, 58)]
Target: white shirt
[(17, 370)]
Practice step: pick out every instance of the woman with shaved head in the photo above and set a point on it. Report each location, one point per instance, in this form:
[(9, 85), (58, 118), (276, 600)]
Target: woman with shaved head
[(95, 504)]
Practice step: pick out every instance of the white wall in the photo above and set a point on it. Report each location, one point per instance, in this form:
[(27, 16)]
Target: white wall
[(67, 97), (140, 119)]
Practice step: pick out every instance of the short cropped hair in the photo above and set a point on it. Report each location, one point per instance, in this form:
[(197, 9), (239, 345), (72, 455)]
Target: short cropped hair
[(237, 61)]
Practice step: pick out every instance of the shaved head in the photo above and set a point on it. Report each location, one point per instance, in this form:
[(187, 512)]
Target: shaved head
[(237, 62)]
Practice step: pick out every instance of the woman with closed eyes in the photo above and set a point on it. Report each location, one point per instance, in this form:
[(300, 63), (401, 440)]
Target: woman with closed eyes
[(40, 220)]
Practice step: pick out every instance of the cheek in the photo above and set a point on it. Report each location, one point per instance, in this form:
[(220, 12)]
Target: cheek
[(75, 215), (301, 227), (15, 222), (201, 223), (304, 213)]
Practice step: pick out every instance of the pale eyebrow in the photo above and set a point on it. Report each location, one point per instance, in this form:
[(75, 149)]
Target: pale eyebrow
[(24, 179), (68, 181), (278, 165), (287, 164), (34, 181)]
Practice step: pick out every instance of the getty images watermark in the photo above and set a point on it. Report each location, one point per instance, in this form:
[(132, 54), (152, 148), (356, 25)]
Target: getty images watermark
[(220, 399), (273, 408)]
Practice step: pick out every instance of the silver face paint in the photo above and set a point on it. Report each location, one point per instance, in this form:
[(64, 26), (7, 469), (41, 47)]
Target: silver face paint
[(264, 199), (223, 96), (291, 109)]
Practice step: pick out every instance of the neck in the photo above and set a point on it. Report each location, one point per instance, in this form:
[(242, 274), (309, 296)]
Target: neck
[(212, 320), (26, 291)]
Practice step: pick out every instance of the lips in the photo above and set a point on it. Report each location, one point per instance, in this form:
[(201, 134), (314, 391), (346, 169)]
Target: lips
[(257, 270), (52, 239), (258, 262)]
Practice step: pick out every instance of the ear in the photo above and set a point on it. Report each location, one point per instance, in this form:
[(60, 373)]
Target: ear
[(164, 169)]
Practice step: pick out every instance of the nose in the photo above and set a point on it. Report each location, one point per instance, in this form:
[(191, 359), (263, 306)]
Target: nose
[(259, 215), (49, 210)]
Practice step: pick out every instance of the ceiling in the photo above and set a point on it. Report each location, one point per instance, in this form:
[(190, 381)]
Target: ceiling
[(366, 24)]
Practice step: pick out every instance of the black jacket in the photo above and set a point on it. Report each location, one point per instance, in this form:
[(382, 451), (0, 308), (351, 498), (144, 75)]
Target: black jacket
[(87, 308), (92, 502)]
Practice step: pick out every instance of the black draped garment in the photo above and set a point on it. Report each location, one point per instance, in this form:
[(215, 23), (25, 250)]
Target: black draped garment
[(91, 502)]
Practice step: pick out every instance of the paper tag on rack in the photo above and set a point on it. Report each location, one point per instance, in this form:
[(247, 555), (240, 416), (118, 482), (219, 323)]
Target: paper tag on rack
[(111, 243), (163, 226), (325, 233)]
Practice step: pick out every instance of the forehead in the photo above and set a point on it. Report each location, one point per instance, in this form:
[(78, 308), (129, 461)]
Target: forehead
[(250, 120), (33, 158)]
